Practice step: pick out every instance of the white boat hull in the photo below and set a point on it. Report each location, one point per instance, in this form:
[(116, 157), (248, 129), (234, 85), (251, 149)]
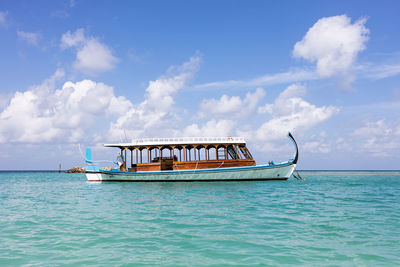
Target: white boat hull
[(262, 172)]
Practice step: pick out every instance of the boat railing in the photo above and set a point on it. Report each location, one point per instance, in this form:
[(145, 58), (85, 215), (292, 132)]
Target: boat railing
[(189, 139)]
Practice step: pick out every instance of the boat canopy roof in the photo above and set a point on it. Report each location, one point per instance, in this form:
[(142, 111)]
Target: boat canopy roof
[(181, 141)]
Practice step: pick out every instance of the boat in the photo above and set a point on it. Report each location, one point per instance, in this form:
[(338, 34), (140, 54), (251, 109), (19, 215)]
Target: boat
[(187, 159)]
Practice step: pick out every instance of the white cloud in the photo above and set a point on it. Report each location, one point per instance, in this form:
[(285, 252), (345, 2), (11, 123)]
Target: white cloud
[(29, 37), (233, 106), (377, 72), (211, 128), (317, 143), (46, 114), (76, 38), (298, 75), (378, 138), (289, 112), (333, 43), (342, 144), (43, 114), (4, 99), (378, 128), (316, 147), (92, 56), (156, 111), (3, 19)]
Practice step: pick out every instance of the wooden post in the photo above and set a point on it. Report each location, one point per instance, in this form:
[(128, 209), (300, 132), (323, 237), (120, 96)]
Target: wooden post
[(126, 161), (226, 152), (216, 152)]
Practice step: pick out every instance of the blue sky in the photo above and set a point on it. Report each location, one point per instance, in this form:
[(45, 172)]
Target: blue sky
[(85, 72)]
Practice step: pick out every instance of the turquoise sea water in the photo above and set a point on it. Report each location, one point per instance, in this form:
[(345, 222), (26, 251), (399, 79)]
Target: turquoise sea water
[(331, 218)]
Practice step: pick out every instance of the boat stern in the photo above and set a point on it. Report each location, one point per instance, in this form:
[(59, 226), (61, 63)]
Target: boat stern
[(92, 168)]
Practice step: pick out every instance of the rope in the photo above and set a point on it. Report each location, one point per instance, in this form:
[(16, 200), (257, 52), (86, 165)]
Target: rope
[(220, 165), (298, 177)]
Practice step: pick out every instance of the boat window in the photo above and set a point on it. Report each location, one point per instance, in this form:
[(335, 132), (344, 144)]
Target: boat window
[(247, 153), (120, 160), (232, 153), (244, 152)]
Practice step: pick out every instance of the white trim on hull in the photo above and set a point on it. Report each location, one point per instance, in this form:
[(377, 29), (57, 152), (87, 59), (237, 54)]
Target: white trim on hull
[(263, 172)]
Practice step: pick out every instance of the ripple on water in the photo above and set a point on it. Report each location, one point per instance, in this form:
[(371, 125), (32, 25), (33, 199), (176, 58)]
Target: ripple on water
[(332, 218)]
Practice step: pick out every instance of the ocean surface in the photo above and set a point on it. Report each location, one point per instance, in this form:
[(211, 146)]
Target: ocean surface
[(330, 218)]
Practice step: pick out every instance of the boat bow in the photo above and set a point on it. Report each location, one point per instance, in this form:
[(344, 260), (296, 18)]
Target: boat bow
[(296, 156)]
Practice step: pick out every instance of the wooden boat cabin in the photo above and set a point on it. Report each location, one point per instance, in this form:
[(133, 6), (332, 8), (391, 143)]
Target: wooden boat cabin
[(155, 154)]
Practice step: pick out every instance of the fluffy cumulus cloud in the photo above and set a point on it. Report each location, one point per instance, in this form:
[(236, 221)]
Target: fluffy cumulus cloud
[(233, 106), (49, 113), (333, 43), (156, 111), (290, 112), (44, 114), (92, 56), (29, 37)]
